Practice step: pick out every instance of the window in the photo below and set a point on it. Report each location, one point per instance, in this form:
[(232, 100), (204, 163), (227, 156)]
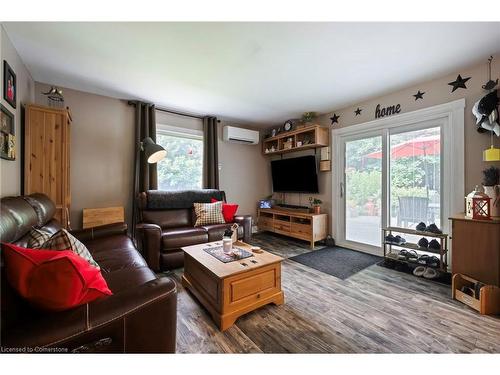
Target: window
[(182, 168), (415, 181), (412, 177), (363, 190)]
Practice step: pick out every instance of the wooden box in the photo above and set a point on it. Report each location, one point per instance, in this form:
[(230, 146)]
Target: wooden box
[(489, 295), (325, 165), (95, 217)]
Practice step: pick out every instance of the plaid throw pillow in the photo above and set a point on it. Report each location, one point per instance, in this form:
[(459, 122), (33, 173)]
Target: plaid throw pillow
[(63, 240), (37, 238), (208, 213)]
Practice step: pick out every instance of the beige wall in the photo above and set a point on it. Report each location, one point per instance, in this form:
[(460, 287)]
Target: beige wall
[(10, 175), (103, 131), (244, 173), (102, 144), (437, 91)]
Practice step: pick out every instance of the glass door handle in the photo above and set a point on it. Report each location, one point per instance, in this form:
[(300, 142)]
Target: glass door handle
[(341, 190)]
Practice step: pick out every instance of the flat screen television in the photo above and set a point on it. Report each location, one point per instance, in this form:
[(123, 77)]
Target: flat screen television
[(295, 175)]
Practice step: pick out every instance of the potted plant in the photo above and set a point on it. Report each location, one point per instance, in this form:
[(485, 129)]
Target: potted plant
[(315, 204), (491, 180), (308, 117)]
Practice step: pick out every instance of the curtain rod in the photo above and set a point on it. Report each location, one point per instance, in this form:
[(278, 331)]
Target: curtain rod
[(130, 102), (179, 113)]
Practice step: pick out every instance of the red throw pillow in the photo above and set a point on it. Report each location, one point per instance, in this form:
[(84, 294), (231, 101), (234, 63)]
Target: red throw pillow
[(228, 210), (52, 279)]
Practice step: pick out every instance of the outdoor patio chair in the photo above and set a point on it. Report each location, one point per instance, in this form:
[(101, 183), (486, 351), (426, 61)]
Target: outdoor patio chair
[(412, 210)]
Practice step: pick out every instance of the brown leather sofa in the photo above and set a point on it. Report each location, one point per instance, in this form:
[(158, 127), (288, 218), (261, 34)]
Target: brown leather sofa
[(167, 224), (140, 316)]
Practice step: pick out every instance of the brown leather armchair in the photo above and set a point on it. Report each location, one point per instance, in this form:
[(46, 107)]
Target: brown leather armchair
[(140, 316), (167, 224)]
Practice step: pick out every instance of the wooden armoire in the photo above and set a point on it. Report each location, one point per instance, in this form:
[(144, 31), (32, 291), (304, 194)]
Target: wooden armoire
[(47, 135)]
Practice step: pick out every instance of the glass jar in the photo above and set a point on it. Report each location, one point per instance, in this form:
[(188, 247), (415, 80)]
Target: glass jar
[(227, 245)]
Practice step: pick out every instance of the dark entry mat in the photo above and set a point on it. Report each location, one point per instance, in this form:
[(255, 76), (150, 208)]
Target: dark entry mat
[(337, 261)]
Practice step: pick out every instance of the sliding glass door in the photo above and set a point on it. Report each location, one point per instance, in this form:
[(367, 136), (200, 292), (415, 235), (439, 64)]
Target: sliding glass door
[(363, 190), (390, 177), (415, 177)]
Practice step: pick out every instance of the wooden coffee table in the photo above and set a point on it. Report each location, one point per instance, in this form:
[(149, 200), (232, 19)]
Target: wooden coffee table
[(229, 290)]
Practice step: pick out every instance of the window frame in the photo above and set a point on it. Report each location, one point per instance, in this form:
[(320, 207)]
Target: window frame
[(176, 131)]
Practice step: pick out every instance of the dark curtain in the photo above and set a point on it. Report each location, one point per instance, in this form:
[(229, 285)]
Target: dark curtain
[(145, 177), (210, 154)]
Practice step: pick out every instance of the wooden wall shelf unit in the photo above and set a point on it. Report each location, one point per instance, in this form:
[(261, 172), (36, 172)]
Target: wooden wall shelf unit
[(314, 135), (301, 225)]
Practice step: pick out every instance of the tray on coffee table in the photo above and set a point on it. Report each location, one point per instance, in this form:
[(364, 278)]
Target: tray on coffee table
[(237, 254)]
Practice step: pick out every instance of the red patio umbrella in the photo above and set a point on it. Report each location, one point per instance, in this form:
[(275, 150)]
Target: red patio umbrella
[(423, 146)]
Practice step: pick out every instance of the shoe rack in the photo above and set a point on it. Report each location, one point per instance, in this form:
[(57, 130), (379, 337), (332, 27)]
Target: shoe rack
[(392, 249)]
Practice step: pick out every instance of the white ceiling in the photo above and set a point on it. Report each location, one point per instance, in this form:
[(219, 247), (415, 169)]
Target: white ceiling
[(248, 72)]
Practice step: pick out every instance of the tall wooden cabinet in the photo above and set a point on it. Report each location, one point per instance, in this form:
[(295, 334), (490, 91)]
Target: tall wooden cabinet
[(47, 156), (476, 248)]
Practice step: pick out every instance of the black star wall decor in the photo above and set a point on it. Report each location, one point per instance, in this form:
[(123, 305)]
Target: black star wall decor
[(459, 83), (335, 119), (419, 95), (358, 111)]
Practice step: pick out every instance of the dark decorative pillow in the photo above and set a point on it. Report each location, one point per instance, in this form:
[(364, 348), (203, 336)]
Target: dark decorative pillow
[(63, 240), (37, 238)]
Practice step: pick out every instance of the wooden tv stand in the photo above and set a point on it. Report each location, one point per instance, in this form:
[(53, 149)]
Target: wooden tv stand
[(301, 225)]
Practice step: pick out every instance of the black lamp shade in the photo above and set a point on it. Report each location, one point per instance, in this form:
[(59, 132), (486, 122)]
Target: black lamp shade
[(153, 152)]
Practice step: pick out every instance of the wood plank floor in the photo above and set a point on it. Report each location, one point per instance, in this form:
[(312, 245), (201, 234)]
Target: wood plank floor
[(377, 310)]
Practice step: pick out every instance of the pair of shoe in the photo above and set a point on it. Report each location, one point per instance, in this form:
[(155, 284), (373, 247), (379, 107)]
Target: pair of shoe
[(429, 261), (421, 227), (434, 244), (410, 256), (398, 240), (426, 272), (474, 290)]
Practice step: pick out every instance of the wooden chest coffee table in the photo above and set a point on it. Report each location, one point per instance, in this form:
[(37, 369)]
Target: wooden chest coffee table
[(229, 290)]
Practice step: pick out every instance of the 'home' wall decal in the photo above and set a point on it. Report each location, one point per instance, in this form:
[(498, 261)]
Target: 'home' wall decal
[(387, 111)]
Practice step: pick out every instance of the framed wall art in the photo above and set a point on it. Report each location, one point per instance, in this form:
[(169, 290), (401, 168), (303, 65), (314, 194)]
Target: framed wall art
[(9, 84), (7, 134)]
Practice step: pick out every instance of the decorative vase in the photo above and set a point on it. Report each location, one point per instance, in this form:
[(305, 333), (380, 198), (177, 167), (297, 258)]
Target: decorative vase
[(494, 193), (317, 210)]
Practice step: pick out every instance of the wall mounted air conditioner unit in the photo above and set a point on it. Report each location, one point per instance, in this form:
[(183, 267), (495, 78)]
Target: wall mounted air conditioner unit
[(239, 135)]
